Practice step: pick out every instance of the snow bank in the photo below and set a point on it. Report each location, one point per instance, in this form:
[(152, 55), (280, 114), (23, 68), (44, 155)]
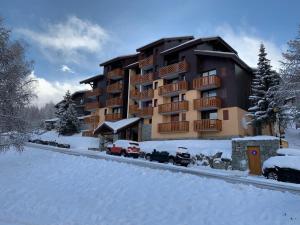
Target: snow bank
[(289, 151), (205, 147), (259, 138), (41, 187), (76, 141), (283, 162)]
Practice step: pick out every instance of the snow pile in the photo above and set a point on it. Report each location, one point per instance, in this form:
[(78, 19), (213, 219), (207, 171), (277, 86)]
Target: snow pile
[(76, 141), (289, 151), (194, 147), (292, 162), (256, 138), (41, 187)]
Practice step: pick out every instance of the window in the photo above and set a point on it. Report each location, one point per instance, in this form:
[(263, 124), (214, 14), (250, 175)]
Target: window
[(209, 73), (105, 111), (225, 115), (175, 118), (155, 85), (150, 121), (183, 117), (182, 97), (211, 93), (213, 115), (155, 103), (175, 98)]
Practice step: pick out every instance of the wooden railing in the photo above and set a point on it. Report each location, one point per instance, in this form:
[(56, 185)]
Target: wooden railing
[(144, 112), (173, 107), (178, 126), (207, 103), (91, 119), (90, 106), (205, 83), (146, 62), (92, 93), (175, 68), (146, 94), (117, 101), (133, 109), (169, 89), (113, 116), (114, 88), (142, 79), (207, 125), (115, 74)]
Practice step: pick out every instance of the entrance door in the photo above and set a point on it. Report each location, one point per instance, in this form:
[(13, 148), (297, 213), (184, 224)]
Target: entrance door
[(253, 153)]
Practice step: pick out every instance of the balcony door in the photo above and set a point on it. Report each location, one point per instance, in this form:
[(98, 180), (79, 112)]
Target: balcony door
[(210, 115), (175, 118)]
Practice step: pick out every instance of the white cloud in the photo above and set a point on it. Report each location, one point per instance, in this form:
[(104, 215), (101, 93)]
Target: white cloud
[(47, 91), (66, 69), (247, 45), (69, 39)]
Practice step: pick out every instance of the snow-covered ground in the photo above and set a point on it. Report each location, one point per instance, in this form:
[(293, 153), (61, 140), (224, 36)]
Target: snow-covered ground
[(292, 135), (76, 141), (40, 187)]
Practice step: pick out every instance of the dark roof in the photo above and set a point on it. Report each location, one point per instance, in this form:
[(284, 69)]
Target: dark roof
[(94, 78), (197, 41), (230, 55), (162, 40), (118, 59)]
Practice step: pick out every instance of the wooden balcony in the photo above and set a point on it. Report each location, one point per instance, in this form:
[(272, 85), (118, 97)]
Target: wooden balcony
[(114, 88), (115, 74), (178, 126), (144, 95), (206, 83), (91, 119), (144, 112), (114, 102), (142, 79), (93, 93), (146, 62), (208, 103), (113, 116), (173, 89), (173, 107), (91, 106), (173, 69), (207, 125)]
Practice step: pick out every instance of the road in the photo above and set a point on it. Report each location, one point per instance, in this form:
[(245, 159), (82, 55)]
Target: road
[(215, 174)]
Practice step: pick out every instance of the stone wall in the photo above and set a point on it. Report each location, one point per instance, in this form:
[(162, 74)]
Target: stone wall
[(146, 132), (267, 147)]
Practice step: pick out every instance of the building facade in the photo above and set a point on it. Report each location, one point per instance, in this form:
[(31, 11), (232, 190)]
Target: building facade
[(180, 87)]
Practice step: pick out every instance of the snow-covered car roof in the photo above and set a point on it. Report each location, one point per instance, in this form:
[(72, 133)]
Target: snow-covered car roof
[(289, 151), (125, 143), (292, 162)]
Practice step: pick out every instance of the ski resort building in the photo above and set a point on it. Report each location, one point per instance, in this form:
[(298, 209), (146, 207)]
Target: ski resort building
[(179, 87)]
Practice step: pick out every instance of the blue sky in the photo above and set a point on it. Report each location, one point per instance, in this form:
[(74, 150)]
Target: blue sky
[(68, 39)]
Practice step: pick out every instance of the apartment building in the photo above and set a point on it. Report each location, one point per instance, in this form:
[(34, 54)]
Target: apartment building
[(180, 87)]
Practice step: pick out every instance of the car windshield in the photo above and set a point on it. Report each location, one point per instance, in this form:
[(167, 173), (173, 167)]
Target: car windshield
[(135, 144)]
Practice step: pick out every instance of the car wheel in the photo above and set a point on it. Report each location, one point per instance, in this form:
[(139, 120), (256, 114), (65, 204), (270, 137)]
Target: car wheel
[(272, 175)]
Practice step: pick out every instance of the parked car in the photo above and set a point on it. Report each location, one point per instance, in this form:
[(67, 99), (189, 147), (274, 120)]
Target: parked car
[(159, 156), (125, 148), (283, 168), (182, 157)]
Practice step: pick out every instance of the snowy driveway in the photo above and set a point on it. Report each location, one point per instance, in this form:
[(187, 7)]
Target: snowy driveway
[(41, 187)]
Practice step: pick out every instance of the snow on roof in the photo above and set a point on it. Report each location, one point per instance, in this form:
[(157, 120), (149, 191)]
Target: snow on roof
[(82, 117), (289, 151), (292, 162), (51, 120), (253, 138), (115, 126)]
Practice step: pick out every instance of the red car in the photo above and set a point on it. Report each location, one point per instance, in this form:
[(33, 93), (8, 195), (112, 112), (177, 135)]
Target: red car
[(125, 148)]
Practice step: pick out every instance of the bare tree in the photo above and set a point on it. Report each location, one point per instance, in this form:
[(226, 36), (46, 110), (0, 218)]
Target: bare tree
[(15, 91)]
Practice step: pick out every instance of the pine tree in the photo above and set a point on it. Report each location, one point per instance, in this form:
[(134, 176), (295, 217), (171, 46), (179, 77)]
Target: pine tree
[(68, 122), (263, 102)]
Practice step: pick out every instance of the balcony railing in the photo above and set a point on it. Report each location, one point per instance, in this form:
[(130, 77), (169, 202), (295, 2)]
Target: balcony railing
[(115, 74), (91, 119), (142, 79), (92, 93), (113, 116), (207, 125), (173, 107), (146, 62), (207, 103), (144, 112), (114, 102), (91, 106), (114, 88), (205, 83), (178, 126), (173, 69), (144, 95), (173, 89)]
